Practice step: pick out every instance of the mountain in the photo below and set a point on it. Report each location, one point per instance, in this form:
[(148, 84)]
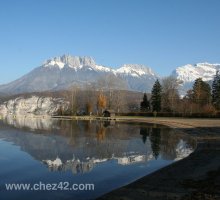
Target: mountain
[(138, 77), (64, 71), (189, 73)]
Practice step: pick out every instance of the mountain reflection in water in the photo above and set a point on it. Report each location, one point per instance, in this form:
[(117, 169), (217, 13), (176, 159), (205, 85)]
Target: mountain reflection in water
[(95, 147)]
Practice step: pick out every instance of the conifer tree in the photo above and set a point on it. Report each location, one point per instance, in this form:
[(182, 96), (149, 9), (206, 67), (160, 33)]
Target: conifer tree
[(201, 92), (216, 91), (145, 104), (156, 96)]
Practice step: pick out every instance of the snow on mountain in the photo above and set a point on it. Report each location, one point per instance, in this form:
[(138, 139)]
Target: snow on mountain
[(52, 63), (189, 73), (138, 77), (71, 61), (135, 70), (64, 71), (75, 62)]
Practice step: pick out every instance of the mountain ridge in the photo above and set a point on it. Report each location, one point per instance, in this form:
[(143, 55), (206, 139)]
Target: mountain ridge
[(189, 73), (62, 72)]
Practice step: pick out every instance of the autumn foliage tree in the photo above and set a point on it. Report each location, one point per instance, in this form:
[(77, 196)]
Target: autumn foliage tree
[(101, 102)]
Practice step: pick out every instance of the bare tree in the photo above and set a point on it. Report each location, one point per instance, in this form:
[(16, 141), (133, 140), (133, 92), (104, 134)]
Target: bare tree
[(119, 100), (90, 98), (111, 84), (74, 90), (89, 108), (170, 95)]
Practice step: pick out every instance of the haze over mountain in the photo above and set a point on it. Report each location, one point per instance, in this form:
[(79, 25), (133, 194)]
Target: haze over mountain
[(62, 72)]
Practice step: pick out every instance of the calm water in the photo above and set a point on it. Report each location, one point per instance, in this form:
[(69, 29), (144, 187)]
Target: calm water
[(106, 155)]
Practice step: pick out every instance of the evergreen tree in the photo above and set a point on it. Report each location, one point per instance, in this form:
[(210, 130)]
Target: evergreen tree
[(156, 96), (201, 92), (145, 104), (216, 91)]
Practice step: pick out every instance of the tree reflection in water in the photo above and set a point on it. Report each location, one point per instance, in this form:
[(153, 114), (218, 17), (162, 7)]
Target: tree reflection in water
[(145, 132), (155, 139), (93, 142)]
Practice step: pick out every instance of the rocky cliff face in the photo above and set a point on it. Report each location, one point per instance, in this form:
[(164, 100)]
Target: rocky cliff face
[(70, 61), (33, 105)]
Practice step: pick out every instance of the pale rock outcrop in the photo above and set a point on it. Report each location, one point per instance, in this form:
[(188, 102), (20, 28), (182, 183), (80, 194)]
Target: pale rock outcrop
[(34, 105)]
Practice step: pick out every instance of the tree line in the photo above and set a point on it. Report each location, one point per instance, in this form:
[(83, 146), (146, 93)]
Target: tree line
[(93, 99), (164, 97)]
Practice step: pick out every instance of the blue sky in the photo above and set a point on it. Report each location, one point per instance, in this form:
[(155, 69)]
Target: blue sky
[(160, 34)]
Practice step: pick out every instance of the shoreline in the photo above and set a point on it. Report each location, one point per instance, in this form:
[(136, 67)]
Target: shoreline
[(194, 177)]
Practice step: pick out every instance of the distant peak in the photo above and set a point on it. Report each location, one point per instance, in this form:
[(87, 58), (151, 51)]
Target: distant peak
[(189, 73), (135, 69), (202, 64), (72, 61), (206, 64), (78, 60)]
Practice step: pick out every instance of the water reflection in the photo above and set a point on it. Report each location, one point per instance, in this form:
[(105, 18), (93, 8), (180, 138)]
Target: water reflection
[(155, 139), (145, 132), (101, 150), (80, 145), (28, 121)]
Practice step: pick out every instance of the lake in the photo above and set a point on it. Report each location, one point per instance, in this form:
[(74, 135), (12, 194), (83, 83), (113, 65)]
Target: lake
[(61, 153)]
